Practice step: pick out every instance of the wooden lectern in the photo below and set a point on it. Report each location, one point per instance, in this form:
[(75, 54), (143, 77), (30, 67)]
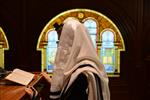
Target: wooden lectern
[(14, 91)]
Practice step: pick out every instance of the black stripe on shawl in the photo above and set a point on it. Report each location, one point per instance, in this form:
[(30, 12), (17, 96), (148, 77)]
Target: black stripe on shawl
[(81, 66), (77, 90), (99, 87), (64, 95)]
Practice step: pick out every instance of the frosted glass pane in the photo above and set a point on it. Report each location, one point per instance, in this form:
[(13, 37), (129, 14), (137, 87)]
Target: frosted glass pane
[(51, 50), (91, 26), (107, 36), (109, 68), (51, 53), (92, 30), (90, 23)]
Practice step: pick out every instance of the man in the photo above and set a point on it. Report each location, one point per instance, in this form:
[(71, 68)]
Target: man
[(78, 73)]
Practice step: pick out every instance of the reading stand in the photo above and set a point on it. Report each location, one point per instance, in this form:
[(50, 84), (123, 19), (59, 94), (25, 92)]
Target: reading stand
[(13, 91)]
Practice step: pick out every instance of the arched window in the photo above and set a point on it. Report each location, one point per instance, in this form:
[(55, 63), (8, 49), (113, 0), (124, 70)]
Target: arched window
[(92, 28), (51, 49), (107, 54), (105, 35)]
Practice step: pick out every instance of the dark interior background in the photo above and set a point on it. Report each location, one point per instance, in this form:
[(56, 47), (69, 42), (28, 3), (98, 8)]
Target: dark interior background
[(23, 21)]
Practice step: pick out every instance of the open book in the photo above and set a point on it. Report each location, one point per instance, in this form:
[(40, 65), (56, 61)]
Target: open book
[(20, 76)]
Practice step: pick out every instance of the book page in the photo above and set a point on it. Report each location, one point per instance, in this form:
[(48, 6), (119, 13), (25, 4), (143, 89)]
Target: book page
[(20, 76)]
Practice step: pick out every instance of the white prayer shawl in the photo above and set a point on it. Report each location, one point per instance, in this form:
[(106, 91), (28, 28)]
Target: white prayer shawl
[(75, 48)]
